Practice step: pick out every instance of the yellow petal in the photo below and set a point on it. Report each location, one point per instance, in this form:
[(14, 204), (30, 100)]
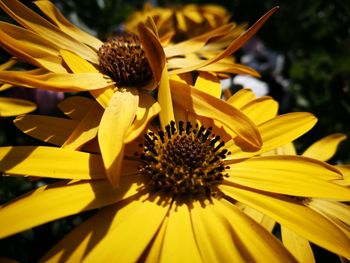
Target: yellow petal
[(75, 245), (325, 148), (56, 81), (46, 128), (241, 98), (79, 65), (153, 50), (30, 47), (76, 107), (13, 107), (297, 245), (234, 46), (130, 238), (31, 20), (196, 43), (115, 123), (49, 203), (148, 108), (179, 236), (56, 17), (290, 175), (51, 162), (156, 247), (278, 131), (334, 209), (86, 129), (263, 220), (8, 64), (253, 241), (298, 218), (212, 231), (205, 105), (166, 114), (345, 170), (232, 68), (261, 109), (209, 83)]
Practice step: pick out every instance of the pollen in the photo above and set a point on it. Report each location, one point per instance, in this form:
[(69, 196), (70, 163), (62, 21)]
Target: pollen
[(123, 59), (184, 161)]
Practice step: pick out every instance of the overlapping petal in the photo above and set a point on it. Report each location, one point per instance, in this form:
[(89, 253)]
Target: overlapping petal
[(13, 107), (48, 203)]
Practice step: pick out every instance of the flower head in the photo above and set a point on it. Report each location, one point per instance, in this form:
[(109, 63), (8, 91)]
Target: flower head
[(163, 204)]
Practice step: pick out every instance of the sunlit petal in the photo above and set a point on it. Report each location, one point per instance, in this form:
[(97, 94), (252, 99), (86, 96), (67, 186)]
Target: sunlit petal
[(325, 148), (115, 123), (296, 217), (52, 202), (50, 162)]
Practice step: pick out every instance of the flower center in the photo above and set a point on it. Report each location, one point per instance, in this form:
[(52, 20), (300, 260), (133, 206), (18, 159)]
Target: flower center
[(123, 59), (187, 161)]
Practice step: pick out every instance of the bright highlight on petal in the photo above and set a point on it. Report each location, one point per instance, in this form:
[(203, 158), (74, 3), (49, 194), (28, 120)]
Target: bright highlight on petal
[(48, 203), (51, 162), (13, 107), (115, 123)]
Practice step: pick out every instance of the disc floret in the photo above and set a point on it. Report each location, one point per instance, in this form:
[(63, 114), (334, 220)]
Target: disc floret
[(184, 161), (123, 59)]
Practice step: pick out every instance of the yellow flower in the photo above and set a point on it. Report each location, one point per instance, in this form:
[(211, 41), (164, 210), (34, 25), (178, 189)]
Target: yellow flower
[(178, 198), (337, 213), (68, 59), (11, 106), (183, 21)]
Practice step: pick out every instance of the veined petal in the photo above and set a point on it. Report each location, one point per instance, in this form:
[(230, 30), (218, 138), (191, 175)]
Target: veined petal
[(31, 20), (86, 129), (56, 81), (261, 109), (233, 68), (253, 241), (297, 245), (148, 108), (77, 243), (205, 105), (76, 107), (262, 219), (241, 98), (297, 217), (209, 83), (156, 247), (30, 47), (212, 232), (127, 241), (278, 131), (79, 65), (234, 46), (196, 43), (48, 203), (51, 162), (13, 107), (59, 20), (166, 114), (179, 236), (291, 175), (46, 128), (325, 148), (115, 123), (332, 208)]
